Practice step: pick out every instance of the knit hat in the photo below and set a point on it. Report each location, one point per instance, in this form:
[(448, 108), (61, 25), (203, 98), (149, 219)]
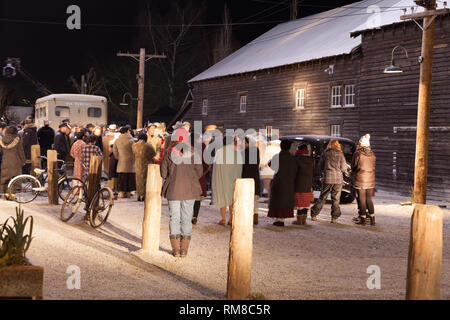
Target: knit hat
[(365, 140)]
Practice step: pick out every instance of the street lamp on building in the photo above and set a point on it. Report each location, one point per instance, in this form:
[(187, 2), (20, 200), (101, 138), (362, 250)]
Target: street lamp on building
[(124, 103), (393, 68)]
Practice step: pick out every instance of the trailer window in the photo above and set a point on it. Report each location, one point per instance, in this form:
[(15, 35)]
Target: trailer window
[(94, 112), (62, 111)]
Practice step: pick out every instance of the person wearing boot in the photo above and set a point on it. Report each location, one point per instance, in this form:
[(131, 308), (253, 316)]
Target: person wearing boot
[(303, 183), (181, 188), (250, 170), (363, 172)]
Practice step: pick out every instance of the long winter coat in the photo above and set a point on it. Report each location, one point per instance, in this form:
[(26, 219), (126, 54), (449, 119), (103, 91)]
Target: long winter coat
[(123, 152), (363, 168), (13, 157), (61, 145), (76, 153), (181, 180), (46, 137), (29, 138), (251, 170), (304, 177), (144, 155), (282, 187), (225, 174)]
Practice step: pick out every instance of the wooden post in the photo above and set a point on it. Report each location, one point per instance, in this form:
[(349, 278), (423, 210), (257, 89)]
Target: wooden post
[(423, 109), (152, 212), (95, 173), (241, 241), (425, 254), (52, 174), (140, 109), (35, 160)]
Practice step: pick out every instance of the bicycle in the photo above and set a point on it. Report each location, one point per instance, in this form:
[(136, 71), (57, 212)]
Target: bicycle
[(97, 209), (25, 188)]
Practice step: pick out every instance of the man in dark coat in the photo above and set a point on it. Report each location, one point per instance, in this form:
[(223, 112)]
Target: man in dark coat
[(333, 165), (29, 138), (61, 143), (250, 170), (46, 136), (281, 203), (13, 157), (303, 183)]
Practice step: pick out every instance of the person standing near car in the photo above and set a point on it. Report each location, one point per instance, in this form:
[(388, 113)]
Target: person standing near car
[(282, 195), (29, 138), (61, 143), (75, 152), (303, 183), (89, 150), (333, 165), (363, 173)]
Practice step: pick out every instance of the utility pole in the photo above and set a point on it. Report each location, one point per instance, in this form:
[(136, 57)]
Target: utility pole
[(83, 84), (294, 12), (141, 77), (423, 109)]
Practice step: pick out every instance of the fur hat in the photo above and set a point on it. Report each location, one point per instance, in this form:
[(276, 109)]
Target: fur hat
[(365, 140)]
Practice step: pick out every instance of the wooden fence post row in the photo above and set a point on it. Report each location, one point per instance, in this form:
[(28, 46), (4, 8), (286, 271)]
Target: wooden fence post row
[(425, 254), (241, 241)]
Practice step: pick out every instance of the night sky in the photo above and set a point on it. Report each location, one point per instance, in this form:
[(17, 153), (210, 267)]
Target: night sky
[(51, 53)]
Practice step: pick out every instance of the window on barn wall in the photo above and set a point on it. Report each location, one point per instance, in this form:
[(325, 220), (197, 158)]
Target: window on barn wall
[(243, 104), (335, 130), (205, 107), (336, 96), (350, 95), (300, 98)]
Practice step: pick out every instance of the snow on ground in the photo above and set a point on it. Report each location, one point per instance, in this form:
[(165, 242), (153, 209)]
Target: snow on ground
[(317, 261)]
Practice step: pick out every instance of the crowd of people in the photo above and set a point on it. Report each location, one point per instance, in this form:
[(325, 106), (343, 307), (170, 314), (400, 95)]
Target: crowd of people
[(127, 154)]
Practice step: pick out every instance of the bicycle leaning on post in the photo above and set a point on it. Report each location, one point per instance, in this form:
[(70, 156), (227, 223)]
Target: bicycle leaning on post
[(25, 188), (96, 209)]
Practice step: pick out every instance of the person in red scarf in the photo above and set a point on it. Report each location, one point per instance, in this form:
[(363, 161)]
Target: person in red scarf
[(303, 183)]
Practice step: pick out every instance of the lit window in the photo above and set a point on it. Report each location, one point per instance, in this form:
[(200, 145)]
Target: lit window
[(243, 104), (300, 98), (94, 112), (350, 95), (62, 111), (335, 130), (205, 107), (336, 96)]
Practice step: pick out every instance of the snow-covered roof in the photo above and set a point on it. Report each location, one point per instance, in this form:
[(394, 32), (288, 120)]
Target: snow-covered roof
[(321, 35), (72, 96)]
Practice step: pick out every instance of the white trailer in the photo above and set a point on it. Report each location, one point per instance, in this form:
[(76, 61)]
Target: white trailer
[(81, 109)]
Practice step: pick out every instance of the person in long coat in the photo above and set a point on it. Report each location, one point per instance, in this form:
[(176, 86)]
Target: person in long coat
[(181, 187), (363, 176), (144, 154), (197, 138), (282, 194), (29, 138), (303, 183), (225, 174), (13, 157), (250, 170), (75, 152), (126, 176)]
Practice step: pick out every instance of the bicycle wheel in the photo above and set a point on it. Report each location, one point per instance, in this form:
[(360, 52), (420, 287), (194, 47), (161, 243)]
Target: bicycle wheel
[(24, 188), (66, 184), (43, 180), (72, 203), (100, 207)]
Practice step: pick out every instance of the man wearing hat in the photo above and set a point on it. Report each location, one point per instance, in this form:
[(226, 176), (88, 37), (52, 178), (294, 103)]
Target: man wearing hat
[(61, 143), (29, 138), (154, 139)]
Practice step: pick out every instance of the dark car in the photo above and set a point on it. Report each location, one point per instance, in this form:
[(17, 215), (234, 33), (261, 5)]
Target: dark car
[(317, 145)]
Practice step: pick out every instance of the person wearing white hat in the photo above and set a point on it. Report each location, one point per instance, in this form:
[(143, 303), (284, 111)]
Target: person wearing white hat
[(363, 176)]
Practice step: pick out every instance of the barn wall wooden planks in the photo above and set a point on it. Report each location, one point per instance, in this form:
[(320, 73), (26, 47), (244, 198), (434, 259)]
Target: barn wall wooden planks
[(386, 104)]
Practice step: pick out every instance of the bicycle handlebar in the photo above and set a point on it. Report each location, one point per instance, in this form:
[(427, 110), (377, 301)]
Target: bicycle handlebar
[(45, 158)]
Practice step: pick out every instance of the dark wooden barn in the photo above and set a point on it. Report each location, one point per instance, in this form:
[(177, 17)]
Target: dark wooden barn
[(324, 75)]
